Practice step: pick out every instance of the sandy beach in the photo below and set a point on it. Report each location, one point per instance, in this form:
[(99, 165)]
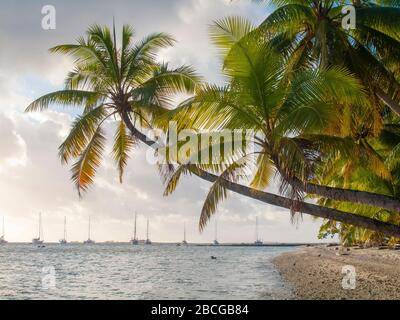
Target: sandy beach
[(316, 273)]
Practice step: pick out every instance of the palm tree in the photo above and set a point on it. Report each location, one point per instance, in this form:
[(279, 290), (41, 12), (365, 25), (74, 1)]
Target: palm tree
[(289, 118), (126, 83), (347, 174), (310, 32), (129, 85)]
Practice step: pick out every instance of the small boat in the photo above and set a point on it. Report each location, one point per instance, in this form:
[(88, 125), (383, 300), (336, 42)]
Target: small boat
[(39, 241), (3, 236), (215, 242), (2, 240), (134, 240), (64, 239), (89, 241), (258, 242), (148, 241), (184, 242)]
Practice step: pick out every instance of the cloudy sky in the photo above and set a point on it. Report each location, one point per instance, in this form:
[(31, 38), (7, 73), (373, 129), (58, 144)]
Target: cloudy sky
[(31, 176)]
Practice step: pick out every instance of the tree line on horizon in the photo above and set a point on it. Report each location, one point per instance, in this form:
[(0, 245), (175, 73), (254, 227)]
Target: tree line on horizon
[(323, 101)]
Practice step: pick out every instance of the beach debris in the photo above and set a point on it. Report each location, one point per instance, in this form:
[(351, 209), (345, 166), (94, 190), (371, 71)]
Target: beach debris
[(331, 245), (342, 251)]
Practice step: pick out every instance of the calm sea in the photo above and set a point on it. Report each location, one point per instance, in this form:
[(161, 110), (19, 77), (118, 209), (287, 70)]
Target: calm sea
[(122, 271)]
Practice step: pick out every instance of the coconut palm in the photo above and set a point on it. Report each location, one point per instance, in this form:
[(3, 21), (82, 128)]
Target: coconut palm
[(347, 174), (291, 118), (128, 84), (125, 83), (310, 32)]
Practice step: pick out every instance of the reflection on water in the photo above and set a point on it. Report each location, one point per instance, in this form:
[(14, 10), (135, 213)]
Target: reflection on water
[(122, 271)]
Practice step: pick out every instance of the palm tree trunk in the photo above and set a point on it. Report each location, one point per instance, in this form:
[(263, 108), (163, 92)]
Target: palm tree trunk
[(307, 208), (338, 194), (272, 199), (395, 107)]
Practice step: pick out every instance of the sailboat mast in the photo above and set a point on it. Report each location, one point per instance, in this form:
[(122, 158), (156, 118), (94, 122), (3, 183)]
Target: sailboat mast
[(256, 228), (65, 228), (134, 230), (89, 230), (147, 231), (3, 234), (216, 230), (184, 231), (40, 225)]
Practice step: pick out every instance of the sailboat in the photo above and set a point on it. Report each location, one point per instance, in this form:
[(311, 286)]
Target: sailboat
[(2, 238), (64, 239), (134, 240), (215, 242), (258, 242), (148, 241), (184, 242), (39, 240), (89, 241)]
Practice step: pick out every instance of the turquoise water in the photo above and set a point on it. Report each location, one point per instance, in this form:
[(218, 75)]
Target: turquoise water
[(122, 271)]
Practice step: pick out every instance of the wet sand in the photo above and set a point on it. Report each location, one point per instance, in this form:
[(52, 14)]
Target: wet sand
[(316, 273)]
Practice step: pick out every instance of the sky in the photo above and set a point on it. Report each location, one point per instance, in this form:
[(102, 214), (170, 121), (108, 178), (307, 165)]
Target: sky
[(32, 179)]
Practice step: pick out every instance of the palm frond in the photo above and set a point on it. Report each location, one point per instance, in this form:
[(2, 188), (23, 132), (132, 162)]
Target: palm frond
[(64, 98), (123, 143), (84, 170), (82, 131)]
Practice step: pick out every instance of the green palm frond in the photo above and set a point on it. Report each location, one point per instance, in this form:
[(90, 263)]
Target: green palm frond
[(148, 48), (65, 98), (393, 160), (383, 19), (229, 31), (165, 83), (172, 180), (123, 144), (265, 169), (218, 191), (289, 18), (84, 170), (315, 96), (82, 53), (102, 39), (82, 131)]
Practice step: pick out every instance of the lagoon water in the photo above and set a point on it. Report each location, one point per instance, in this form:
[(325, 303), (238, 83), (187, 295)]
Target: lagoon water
[(123, 271)]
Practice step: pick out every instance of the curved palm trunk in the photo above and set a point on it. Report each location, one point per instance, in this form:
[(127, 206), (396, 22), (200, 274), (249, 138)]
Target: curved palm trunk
[(388, 101), (272, 199), (339, 194), (348, 195), (307, 208)]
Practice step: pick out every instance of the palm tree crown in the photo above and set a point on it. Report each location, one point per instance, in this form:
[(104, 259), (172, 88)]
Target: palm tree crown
[(310, 33), (290, 115), (111, 81)]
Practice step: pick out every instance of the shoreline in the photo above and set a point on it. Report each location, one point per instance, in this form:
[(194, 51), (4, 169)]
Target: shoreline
[(315, 273), (194, 244)]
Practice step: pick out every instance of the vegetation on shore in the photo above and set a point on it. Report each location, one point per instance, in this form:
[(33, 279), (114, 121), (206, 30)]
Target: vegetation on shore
[(322, 101)]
